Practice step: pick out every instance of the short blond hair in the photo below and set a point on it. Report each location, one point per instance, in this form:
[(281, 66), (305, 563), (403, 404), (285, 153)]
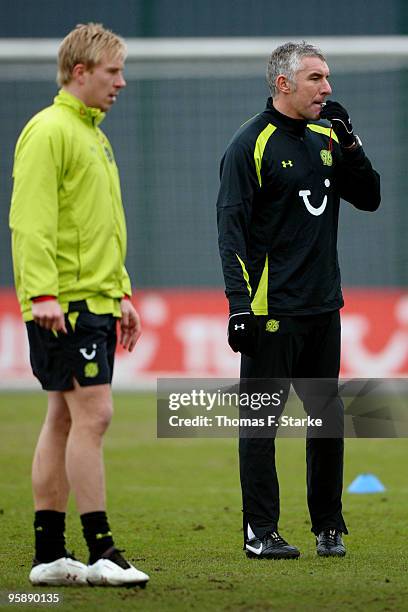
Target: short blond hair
[(86, 44)]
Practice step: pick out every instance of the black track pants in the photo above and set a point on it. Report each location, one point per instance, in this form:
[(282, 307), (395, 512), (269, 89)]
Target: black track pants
[(301, 348)]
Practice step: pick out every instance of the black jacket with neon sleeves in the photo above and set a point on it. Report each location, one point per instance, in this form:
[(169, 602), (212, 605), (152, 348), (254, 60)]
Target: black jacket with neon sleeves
[(277, 210)]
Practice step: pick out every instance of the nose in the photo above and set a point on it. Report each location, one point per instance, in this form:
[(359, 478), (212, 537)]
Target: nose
[(326, 88), (120, 81)]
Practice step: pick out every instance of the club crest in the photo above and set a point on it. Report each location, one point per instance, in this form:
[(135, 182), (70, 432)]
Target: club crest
[(272, 325), (326, 157)]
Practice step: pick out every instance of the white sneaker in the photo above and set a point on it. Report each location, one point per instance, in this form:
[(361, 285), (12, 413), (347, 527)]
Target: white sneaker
[(115, 571), (63, 571)]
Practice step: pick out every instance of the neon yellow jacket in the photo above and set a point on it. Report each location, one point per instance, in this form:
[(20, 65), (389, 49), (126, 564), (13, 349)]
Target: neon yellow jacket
[(67, 219)]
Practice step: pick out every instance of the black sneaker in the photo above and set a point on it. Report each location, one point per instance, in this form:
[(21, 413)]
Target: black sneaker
[(270, 546), (329, 543)]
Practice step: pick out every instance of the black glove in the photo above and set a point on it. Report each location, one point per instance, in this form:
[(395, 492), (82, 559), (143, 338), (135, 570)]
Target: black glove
[(340, 120), (243, 333)]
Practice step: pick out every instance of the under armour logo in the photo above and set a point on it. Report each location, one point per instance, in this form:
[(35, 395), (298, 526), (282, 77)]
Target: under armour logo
[(88, 356), (236, 326), (289, 163)]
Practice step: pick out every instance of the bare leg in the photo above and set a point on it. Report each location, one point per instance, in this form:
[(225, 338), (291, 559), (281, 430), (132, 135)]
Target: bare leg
[(49, 478), (91, 411)]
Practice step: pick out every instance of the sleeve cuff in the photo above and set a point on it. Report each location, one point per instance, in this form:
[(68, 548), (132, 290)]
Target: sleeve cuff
[(43, 298), (355, 154), (239, 304)]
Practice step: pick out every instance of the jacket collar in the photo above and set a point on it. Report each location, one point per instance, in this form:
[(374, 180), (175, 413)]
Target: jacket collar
[(87, 113), (295, 126)]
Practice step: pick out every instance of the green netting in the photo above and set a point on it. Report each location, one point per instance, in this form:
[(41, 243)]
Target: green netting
[(169, 130)]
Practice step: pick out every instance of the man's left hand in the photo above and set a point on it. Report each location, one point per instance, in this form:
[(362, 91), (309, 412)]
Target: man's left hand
[(341, 123), (130, 326)]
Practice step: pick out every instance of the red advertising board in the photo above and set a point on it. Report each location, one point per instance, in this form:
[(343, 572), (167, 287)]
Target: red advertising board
[(184, 334)]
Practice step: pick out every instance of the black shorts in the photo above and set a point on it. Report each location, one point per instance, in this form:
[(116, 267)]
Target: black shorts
[(86, 353)]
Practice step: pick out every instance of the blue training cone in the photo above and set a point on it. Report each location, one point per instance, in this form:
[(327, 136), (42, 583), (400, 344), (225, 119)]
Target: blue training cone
[(366, 483)]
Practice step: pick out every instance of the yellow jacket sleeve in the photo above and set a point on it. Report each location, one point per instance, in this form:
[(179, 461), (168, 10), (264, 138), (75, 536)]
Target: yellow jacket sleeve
[(126, 285), (38, 167)]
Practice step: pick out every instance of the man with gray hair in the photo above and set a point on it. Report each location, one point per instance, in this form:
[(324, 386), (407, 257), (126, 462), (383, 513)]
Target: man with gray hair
[(282, 178)]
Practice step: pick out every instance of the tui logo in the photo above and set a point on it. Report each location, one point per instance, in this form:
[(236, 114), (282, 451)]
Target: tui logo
[(86, 355), (316, 211)]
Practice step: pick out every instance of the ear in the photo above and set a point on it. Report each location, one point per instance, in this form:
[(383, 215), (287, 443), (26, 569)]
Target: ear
[(78, 73), (283, 84)]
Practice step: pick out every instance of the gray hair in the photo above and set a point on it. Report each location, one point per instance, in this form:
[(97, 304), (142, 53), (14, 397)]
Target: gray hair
[(286, 60)]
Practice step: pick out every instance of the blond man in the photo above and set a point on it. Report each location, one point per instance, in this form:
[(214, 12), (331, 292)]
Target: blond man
[(69, 246)]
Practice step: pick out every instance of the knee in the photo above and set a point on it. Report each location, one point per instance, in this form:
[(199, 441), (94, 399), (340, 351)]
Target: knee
[(96, 422), (256, 447), (59, 423), (91, 409), (101, 420)]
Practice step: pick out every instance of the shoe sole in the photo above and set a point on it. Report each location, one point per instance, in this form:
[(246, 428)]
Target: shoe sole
[(74, 582), (60, 583), (331, 554), (252, 555), (128, 585)]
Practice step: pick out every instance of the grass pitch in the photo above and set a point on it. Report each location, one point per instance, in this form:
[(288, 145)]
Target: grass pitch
[(174, 505)]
